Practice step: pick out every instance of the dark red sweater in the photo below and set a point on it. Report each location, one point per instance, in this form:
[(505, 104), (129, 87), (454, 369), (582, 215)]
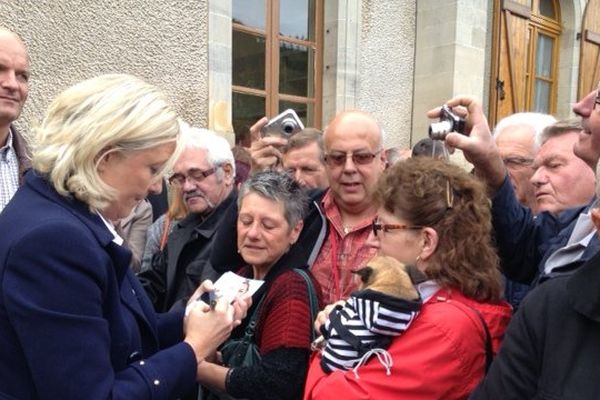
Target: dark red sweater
[(283, 335)]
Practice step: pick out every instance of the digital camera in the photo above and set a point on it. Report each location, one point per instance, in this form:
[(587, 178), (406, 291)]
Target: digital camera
[(285, 125), (449, 122)]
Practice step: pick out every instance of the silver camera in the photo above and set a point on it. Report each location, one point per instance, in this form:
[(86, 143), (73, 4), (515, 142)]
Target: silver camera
[(449, 122), (285, 125)]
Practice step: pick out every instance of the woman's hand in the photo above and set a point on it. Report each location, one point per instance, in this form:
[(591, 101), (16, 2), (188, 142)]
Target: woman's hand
[(323, 315), (207, 327)]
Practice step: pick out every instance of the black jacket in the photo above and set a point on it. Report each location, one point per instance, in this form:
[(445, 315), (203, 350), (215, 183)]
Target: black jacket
[(186, 262), (552, 346)]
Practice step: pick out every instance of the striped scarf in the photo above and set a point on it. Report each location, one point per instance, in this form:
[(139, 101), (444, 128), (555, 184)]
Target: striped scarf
[(364, 326)]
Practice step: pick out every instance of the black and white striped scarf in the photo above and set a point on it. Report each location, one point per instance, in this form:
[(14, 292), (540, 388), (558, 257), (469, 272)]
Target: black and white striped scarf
[(365, 326)]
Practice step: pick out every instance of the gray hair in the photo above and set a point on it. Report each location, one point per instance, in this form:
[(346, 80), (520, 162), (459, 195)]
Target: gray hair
[(217, 148), (532, 120), (559, 128), (280, 187)]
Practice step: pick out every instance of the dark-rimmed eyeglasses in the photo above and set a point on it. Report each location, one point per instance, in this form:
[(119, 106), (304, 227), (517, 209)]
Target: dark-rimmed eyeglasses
[(378, 226), (194, 175), (337, 159)]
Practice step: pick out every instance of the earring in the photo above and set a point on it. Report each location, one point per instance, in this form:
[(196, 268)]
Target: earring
[(418, 258)]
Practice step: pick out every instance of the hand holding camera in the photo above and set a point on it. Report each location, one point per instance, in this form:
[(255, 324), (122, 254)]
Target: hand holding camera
[(269, 137), (476, 140)]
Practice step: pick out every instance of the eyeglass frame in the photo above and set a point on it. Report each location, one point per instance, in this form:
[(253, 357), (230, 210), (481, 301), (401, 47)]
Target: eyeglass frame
[(518, 162), (378, 226), (178, 180), (353, 156)]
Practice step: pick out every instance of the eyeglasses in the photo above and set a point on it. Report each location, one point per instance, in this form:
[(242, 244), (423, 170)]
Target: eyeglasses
[(361, 158), (195, 175), (517, 162), (378, 226)]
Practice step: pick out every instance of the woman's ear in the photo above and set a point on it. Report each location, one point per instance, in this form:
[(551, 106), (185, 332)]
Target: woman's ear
[(104, 158), (295, 233), (430, 242)]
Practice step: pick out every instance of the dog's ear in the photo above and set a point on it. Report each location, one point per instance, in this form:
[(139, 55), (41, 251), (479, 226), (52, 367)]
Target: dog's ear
[(415, 274), (364, 273)]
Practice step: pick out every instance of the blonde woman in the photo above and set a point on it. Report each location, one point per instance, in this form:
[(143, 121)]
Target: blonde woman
[(74, 321)]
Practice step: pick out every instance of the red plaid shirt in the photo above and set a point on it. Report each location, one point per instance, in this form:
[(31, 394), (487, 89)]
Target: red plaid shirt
[(351, 254)]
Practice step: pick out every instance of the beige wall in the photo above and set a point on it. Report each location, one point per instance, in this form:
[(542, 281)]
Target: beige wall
[(386, 66), (164, 42)]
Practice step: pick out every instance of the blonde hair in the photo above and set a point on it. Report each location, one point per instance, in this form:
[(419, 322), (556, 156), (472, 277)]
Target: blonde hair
[(109, 113)]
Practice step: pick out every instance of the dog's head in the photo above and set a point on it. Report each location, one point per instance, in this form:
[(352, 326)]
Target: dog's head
[(389, 276)]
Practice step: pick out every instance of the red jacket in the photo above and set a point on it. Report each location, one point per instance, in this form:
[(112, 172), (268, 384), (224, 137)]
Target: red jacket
[(441, 356)]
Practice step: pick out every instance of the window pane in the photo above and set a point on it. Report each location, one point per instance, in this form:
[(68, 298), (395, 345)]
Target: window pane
[(246, 110), (248, 60), (296, 69), (250, 13), (547, 9), (304, 111), (543, 56), (296, 19), (541, 99)]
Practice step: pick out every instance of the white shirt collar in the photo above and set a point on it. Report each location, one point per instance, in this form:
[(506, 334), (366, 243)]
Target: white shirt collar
[(116, 239), (427, 289)]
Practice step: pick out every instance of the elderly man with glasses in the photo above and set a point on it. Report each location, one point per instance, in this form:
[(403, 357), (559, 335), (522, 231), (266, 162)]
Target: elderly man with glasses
[(354, 160), (204, 174), (531, 249)]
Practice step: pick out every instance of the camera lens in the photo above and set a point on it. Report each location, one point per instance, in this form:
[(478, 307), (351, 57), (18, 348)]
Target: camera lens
[(288, 125)]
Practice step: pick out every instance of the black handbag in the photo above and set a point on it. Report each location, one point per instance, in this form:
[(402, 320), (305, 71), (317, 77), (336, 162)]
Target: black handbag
[(243, 352)]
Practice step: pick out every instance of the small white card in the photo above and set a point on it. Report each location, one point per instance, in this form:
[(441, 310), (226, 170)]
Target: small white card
[(229, 286)]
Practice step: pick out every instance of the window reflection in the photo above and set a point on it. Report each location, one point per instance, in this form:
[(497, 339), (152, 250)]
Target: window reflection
[(250, 13), (543, 57), (294, 69), (294, 19), (547, 9), (541, 99), (246, 110), (248, 60), (304, 111)]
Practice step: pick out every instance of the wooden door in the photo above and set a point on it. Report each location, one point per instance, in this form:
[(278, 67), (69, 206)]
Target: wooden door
[(589, 62), (509, 77)]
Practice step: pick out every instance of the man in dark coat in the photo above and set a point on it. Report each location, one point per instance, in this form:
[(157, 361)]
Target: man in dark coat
[(204, 173), (552, 345)]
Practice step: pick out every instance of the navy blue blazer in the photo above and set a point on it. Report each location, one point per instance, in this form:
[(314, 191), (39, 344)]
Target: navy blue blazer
[(525, 243), (74, 321)]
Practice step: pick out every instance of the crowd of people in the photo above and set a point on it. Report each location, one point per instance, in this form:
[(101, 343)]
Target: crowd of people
[(102, 296)]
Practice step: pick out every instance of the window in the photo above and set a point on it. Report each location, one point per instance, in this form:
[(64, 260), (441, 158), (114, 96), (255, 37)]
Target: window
[(277, 58), (526, 57)]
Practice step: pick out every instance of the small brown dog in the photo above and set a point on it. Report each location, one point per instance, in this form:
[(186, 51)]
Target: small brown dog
[(384, 307), (389, 276)]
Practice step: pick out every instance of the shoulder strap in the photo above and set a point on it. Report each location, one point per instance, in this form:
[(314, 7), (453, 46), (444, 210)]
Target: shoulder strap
[(312, 298), (165, 232), (489, 353), (250, 328)]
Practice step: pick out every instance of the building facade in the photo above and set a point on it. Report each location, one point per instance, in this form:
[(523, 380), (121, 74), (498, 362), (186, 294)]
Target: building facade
[(224, 63)]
